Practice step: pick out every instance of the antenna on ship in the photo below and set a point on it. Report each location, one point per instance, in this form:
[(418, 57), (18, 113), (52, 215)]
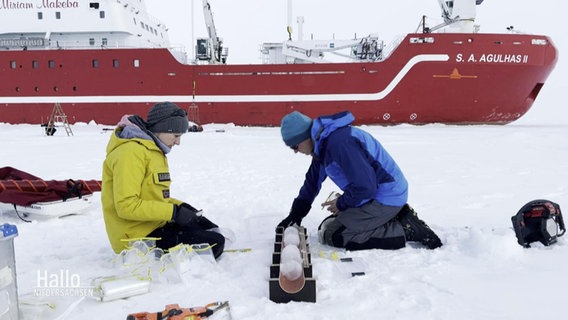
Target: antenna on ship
[(192, 30), (289, 27)]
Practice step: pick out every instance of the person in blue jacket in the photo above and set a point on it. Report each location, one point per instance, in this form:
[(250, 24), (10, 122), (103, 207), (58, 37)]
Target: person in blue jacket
[(372, 212)]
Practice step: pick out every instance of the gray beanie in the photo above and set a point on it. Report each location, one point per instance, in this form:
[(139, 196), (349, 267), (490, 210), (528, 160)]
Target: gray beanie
[(167, 117)]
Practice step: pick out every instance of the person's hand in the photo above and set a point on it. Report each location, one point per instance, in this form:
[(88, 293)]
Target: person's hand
[(184, 214), (290, 220), (331, 206), (299, 210)]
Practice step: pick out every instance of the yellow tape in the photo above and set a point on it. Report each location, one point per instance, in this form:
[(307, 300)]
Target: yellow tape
[(139, 239)]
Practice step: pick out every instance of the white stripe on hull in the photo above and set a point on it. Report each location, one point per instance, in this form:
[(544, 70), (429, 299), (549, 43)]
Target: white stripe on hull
[(235, 98)]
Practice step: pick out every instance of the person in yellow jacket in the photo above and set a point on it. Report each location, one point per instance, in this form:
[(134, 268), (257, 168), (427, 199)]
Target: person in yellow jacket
[(136, 185)]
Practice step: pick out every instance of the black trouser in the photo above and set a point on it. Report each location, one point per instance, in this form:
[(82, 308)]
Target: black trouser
[(172, 234)]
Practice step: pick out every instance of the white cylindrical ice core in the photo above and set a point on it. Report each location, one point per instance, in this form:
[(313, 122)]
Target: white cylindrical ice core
[(291, 230), (291, 253), (291, 239), (291, 270)]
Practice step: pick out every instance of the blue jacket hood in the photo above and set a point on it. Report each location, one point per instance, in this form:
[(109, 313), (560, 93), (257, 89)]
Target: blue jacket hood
[(323, 126)]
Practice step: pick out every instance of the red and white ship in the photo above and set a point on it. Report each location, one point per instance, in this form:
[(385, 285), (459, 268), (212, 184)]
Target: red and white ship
[(101, 59)]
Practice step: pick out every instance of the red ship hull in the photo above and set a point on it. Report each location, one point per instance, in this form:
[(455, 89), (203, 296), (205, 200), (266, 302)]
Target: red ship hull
[(429, 78)]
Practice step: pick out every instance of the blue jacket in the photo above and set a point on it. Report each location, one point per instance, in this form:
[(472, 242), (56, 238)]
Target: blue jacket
[(355, 161)]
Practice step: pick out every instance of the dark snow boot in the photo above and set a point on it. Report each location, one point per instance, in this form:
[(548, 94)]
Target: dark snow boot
[(416, 229)]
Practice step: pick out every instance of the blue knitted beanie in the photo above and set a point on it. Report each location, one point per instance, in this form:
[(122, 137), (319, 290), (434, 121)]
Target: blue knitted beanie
[(295, 128)]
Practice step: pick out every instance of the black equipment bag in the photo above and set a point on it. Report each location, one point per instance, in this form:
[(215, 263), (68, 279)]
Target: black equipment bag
[(538, 220)]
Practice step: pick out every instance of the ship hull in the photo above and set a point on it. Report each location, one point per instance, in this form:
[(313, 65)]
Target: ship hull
[(428, 78)]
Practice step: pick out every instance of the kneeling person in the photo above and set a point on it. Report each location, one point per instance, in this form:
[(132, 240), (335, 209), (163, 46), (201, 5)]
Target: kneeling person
[(136, 185), (372, 211)]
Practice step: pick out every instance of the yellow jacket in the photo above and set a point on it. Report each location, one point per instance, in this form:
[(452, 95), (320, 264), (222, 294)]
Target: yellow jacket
[(135, 189)]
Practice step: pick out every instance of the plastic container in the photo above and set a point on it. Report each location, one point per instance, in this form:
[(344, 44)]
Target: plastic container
[(9, 309)]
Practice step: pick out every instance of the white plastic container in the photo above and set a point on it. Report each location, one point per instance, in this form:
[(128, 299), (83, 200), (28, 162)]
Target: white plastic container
[(9, 309)]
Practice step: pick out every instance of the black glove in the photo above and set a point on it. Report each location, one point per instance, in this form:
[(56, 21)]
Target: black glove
[(188, 206), (184, 214), (300, 209), (206, 223)]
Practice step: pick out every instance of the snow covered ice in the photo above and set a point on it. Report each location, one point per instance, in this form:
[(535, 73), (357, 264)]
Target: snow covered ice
[(465, 181)]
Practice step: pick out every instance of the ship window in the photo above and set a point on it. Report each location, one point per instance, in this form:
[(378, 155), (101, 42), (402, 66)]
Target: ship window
[(136, 63), (36, 89), (40, 15), (92, 41), (35, 64), (95, 63), (115, 63), (105, 41), (13, 64), (58, 15), (94, 5), (51, 64), (102, 14)]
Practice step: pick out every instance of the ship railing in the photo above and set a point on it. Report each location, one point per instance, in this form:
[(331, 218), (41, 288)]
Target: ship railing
[(179, 53), (86, 44), (389, 48)]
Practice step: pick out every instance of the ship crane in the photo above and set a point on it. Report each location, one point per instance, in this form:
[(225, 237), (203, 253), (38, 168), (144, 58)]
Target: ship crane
[(369, 48), (457, 13), (210, 49), (312, 51)]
